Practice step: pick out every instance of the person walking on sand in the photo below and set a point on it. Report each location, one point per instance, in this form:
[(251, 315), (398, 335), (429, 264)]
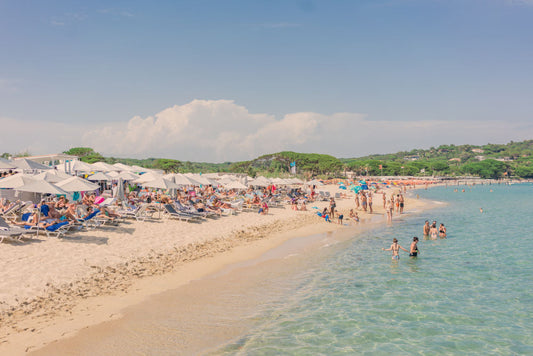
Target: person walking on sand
[(395, 248), (402, 203), (357, 201), (413, 251), (384, 201), (369, 201)]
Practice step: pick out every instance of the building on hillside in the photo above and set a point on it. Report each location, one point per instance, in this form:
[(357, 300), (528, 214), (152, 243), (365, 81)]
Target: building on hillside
[(477, 150), (454, 159), (480, 158)]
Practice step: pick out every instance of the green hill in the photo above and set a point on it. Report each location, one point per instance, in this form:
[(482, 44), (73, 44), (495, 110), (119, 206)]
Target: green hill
[(514, 159)]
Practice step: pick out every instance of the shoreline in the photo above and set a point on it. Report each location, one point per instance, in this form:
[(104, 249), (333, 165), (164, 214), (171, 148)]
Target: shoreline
[(109, 289)]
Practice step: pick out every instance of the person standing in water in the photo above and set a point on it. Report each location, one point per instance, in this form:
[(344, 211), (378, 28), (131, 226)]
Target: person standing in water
[(413, 252), (433, 232), (395, 248), (442, 231), (426, 228)]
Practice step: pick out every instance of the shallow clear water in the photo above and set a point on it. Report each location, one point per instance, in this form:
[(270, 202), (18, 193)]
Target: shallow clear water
[(469, 294), (339, 293)]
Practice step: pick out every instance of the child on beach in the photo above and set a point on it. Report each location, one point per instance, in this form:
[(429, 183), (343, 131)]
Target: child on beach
[(395, 248), (341, 216)]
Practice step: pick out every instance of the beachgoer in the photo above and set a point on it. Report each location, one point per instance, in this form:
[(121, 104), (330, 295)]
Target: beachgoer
[(481, 210), (389, 209), (369, 200), (402, 203), (332, 207), (426, 228), (414, 248), (341, 216), (442, 231), (395, 248), (433, 232), (363, 201)]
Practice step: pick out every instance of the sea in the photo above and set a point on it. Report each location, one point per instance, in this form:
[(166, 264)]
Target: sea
[(340, 294)]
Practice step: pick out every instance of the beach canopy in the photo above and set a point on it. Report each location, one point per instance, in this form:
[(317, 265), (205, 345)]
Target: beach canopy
[(160, 183), (77, 184), (98, 176), (52, 176), (28, 165), (16, 181), (41, 186)]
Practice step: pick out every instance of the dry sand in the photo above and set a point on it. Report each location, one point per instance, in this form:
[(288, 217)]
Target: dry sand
[(52, 288)]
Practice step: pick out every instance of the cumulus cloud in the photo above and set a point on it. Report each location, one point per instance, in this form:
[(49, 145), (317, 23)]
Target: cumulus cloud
[(221, 130)]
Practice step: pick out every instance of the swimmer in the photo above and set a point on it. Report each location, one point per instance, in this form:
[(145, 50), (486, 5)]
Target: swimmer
[(414, 248), (395, 248), (481, 210)]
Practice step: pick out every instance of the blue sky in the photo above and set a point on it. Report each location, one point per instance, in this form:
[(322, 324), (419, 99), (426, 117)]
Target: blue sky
[(407, 74)]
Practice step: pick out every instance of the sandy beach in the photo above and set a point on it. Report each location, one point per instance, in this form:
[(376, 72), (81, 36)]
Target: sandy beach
[(52, 288)]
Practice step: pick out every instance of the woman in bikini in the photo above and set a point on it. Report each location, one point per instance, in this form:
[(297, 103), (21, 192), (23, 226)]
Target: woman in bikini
[(442, 231), (413, 252), (433, 232), (395, 248)]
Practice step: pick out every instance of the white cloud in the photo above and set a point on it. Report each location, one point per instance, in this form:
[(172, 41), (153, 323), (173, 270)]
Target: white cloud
[(221, 130)]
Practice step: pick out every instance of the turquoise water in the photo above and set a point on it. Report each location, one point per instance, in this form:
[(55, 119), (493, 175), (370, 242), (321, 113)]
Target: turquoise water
[(469, 294)]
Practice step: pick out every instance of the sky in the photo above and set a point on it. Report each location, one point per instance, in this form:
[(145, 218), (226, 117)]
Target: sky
[(230, 80)]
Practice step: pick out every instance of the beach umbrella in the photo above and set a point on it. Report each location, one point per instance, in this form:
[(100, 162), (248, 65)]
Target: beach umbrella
[(104, 167), (52, 176), (114, 175), (122, 167), (119, 194), (75, 166), (138, 169), (259, 182), (77, 184), (235, 185), (160, 183), (41, 186), (182, 179), (29, 165), (16, 181), (98, 176), (126, 175), (147, 177), (314, 182)]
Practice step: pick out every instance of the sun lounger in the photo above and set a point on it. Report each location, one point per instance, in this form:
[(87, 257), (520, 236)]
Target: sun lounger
[(172, 213)]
